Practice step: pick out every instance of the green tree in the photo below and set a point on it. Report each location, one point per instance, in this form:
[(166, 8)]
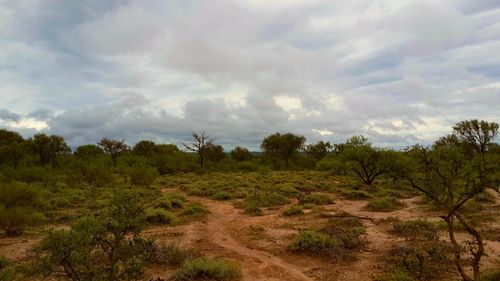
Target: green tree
[(283, 146), (214, 153), (478, 134), (318, 150), (88, 151), (107, 246), (49, 148), (144, 148), (365, 161), (113, 147), (448, 175), (240, 154)]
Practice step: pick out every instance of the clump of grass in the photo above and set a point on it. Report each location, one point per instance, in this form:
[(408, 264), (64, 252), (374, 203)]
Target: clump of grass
[(207, 269), (415, 229), (384, 204), (396, 275), (293, 211), (493, 275), (253, 209), (164, 203), (177, 200), (194, 209), (222, 195), (356, 194), (287, 190), (317, 199), (309, 206), (348, 231), (314, 243), (172, 255), (266, 200), (4, 262), (159, 216)]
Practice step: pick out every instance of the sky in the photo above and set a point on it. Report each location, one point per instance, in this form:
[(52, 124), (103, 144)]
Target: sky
[(399, 72)]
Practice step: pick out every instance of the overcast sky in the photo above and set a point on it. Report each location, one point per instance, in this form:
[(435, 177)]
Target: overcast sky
[(396, 71)]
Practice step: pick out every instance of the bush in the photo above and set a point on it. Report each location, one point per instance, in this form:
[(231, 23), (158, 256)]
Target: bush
[(4, 262), (317, 199), (15, 220), (164, 203), (287, 190), (143, 176), (293, 211), (18, 207), (384, 204), (415, 229), (222, 195), (314, 243), (194, 209), (159, 216), (208, 269), (267, 200), (253, 209), (356, 194), (493, 275), (172, 255)]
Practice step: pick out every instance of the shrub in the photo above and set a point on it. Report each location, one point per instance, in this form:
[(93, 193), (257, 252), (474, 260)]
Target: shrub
[(208, 269), (384, 204), (18, 207), (293, 211), (317, 199), (267, 200), (348, 231), (14, 220), (415, 229), (314, 243), (143, 176), (253, 209), (172, 255), (222, 195), (287, 190), (493, 275), (164, 203), (194, 209), (159, 216), (356, 194), (4, 262)]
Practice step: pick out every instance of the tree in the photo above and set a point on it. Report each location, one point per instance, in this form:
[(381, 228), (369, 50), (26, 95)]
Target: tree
[(199, 145), (448, 175), (113, 147), (283, 146), (88, 151), (364, 160), (214, 153), (478, 134), (48, 148), (106, 246), (240, 154), (144, 148), (318, 150)]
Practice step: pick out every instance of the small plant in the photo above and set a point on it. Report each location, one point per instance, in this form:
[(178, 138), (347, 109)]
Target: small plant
[(4, 262), (293, 211), (493, 275), (253, 209), (143, 176), (314, 243), (384, 204), (208, 269), (194, 209), (172, 255), (222, 195), (356, 194), (159, 216), (415, 229), (317, 199)]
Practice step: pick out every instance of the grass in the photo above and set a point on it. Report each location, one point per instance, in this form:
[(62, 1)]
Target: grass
[(317, 199), (194, 210), (314, 243), (293, 211), (415, 229), (356, 194), (384, 204), (207, 269), (160, 216), (172, 255)]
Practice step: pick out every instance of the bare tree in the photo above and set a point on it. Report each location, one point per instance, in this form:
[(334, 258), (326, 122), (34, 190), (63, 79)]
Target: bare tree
[(201, 141)]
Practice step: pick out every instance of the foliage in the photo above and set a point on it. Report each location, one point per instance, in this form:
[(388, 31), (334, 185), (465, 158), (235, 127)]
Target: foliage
[(415, 229), (240, 154), (159, 216), (214, 153), (143, 176), (384, 204), (318, 150), (208, 269), (316, 198), (113, 147), (293, 211), (283, 146), (48, 148)]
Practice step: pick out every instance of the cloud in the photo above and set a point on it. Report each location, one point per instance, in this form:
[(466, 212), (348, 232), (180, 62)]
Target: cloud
[(397, 71)]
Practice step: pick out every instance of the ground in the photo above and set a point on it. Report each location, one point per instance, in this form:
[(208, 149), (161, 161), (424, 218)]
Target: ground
[(260, 244)]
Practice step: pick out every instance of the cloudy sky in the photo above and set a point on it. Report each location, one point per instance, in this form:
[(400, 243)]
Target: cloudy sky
[(397, 71)]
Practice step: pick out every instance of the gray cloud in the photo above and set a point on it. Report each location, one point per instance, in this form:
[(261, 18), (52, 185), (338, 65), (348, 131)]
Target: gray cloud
[(397, 71)]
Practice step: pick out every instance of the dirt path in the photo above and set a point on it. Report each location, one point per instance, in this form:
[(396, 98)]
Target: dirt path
[(223, 214)]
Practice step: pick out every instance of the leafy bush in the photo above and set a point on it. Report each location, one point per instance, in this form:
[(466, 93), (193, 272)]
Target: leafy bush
[(493, 275), (194, 209), (293, 211), (159, 216), (356, 194), (415, 229), (18, 207), (384, 204), (314, 243), (4, 262), (253, 209), (267, 200), (164, 203), (288, 190), (208, 269), (172, 255), (143, 176), (14, 220)]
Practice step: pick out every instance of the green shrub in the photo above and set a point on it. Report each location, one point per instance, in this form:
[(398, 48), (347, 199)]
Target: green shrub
[(293, 211), (348, 231), (314, 243), (397, 275), (287, 190), (208, 269), (159, 216), (172, 255), (194, 209), (143, 176), (222, 195), (415, 229), (317, 199), (18, 207), (266, 200), (384, 204), (253, 209), (4, 262), (164, 203), (309, 206), (16, 219), (356, 194)]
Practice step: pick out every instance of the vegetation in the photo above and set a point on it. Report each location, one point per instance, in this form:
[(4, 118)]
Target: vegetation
[(208, 269)]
